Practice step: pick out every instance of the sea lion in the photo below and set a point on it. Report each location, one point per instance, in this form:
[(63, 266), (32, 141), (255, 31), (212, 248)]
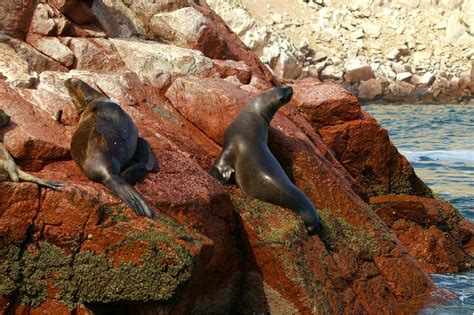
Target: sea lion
[(257, 171), (10, 171), (106, 145)]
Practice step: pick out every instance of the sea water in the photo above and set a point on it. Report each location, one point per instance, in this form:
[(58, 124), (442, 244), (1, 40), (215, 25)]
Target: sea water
[(438, 140)]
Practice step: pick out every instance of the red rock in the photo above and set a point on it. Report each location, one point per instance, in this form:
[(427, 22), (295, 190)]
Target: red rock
[(227, 68), (31, 135), (15, 17), (96, 54), (47, 20), (430, 229), (399, 91), (229, 45), (359, 143), (78, 11)]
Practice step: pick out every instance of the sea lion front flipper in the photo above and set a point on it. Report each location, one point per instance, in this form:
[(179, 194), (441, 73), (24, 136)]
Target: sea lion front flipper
[(129, 195), (30, 178), (134, 173), (223, 169), (145, 155)]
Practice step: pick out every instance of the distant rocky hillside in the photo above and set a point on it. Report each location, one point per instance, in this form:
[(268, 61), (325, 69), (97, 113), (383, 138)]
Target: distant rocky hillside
[(407, 51)]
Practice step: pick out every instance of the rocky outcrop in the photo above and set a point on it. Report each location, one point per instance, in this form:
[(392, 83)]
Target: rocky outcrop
[(342, 41), (212, 249)]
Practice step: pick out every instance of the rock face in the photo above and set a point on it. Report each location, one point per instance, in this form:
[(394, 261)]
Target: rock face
[(212, 249)]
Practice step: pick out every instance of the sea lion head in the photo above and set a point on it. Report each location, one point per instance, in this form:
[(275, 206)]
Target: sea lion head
[(269, 102), (82, 94), (4, 118)]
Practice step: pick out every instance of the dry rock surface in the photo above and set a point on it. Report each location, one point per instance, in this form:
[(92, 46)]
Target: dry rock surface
[(416, 51), (212, 249)]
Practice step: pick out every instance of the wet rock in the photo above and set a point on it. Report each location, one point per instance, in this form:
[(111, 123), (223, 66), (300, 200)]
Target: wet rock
[(430, 229), (356, 71)]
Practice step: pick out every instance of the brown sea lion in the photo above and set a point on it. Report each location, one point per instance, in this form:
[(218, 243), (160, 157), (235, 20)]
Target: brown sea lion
[(106, 145), (257, 171)]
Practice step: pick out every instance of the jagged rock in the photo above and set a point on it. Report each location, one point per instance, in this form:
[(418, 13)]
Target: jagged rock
[(356, 71), (399, 68), (399, 91), (370, 89), (53, 48), (393, 54), (15, 70), (421, 58), (372, 29)]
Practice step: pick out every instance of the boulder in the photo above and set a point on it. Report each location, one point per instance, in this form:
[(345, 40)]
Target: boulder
[(32, 135), (425, 80), (157, 63), (370, 89), (356, 71), (97, 54), (47, 20), (53, 48), (467, 15), (15, 17), (430, 229), (37, 61)]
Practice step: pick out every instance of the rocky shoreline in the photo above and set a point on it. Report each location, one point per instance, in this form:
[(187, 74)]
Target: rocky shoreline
[(374, 47), (178, 70)]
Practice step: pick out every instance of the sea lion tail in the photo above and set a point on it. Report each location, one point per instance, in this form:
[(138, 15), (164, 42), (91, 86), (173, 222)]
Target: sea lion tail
[(128, 194)]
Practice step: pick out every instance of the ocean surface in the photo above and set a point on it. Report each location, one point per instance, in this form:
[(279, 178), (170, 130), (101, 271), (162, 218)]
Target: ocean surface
[(438, 140)]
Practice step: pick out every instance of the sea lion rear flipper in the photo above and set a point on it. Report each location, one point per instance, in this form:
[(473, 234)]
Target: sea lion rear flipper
[(30, 178), (221, 173), (129, 195), (134, 173), (145, 155)]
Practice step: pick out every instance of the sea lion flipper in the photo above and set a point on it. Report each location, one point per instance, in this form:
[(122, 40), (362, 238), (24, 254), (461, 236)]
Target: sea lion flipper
[(129, 195), (30, 178), (134, 173), (145, 155)]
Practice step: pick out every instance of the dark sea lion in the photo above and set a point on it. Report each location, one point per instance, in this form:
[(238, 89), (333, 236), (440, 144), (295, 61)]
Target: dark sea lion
[(10, 171), (106, 145), (257, 171)]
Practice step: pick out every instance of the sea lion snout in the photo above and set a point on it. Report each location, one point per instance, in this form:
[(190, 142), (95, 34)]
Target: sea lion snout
[(285, 92)]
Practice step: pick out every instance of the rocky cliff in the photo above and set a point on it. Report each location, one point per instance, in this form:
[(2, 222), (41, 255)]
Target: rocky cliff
[(182, 75), (390, 50)]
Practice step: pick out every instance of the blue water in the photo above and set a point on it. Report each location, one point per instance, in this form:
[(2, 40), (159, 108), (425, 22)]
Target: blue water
[(438, 140)]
